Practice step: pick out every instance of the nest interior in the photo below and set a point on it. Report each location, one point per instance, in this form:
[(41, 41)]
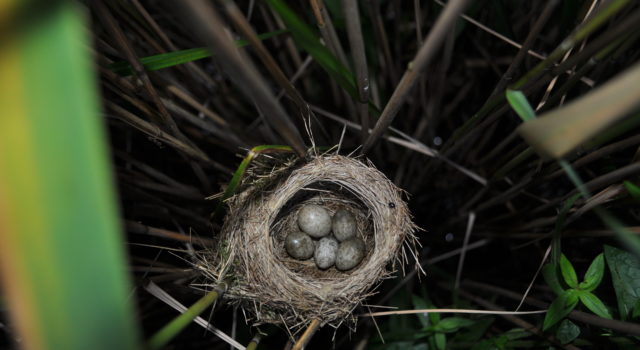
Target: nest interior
[(333, 198), (274, 288)]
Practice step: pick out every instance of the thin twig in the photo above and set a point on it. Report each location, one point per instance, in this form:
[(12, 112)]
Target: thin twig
[(463, 251), (452, 311), (428, 50)]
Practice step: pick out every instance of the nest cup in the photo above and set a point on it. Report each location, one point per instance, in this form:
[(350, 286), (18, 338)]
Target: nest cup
[(274, 288)]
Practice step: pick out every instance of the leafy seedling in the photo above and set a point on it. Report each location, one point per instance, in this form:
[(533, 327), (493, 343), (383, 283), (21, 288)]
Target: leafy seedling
[(576, 292)]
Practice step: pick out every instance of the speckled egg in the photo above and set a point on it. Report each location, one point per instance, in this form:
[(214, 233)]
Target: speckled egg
[(343, 225), (299, 245), (325, 254), (350, 253), (314, 220)]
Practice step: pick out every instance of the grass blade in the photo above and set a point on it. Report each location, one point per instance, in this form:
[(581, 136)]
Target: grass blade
[(170, 59), (520, 105), (308, 41), (169, 331), (61, 251), (560, 131)]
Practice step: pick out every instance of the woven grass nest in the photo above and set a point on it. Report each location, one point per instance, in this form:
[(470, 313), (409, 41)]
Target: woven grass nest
[(269, 285)]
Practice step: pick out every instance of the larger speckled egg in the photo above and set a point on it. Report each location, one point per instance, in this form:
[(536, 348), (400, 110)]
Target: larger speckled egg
[(325, 254), (350, 254), (343, 225), (299, 245), (314, 220)]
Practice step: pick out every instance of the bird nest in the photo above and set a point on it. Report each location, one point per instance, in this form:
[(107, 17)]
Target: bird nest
[(272, 287)]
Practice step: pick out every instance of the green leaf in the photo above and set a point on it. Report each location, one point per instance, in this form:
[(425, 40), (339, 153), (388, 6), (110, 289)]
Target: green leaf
[(175, 58), (305, 38), (434, 317), (567, 331), (474, 332), (452, 324), (517, 333), (420, 303), (594, 274), (560, 308), (441, 341), (625, 275), (568, 272), (520, 104), (633, 189), (550, 274), (636, 310), (62, 256), (593, 303)]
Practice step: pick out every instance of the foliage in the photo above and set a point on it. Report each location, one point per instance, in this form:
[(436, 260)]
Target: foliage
[(568, 298)]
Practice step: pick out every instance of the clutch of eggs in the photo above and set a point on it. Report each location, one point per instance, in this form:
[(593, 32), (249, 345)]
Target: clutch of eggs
[(337, 245)]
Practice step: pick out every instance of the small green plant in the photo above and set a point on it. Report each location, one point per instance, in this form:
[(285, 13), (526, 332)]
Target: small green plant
[(568, 298), (434, 328)]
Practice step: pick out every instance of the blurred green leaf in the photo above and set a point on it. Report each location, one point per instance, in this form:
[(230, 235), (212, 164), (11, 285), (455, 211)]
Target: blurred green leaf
[(175, 58), (62, 254), (625, 275), (594, 274), (305, 38), (520, 104), (568, 272), (475, 331), (636, 310), (517, 333), (560, 308), (560, 131), (434, 317), (441, 341), (550, 274), (593, 303), (452, 324), (633, 189), (567, 331), (420, 303)]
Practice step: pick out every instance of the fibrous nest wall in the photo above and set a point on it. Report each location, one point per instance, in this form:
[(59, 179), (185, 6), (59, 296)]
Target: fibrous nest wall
[(274, 288)]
